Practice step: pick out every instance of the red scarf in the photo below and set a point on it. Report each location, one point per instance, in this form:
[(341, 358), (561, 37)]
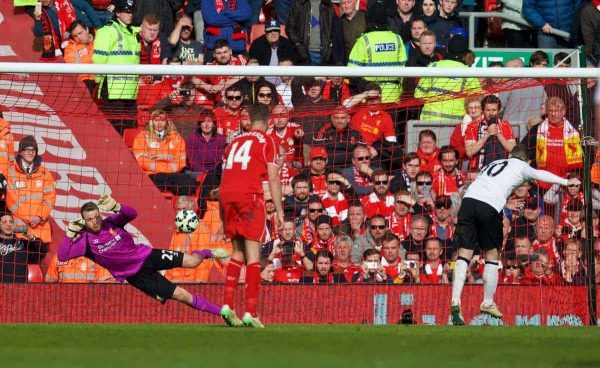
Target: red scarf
[(150, 54), (53, 39), (308, 232), (318, 244), (317, 278), (400, 226), (429, 161)]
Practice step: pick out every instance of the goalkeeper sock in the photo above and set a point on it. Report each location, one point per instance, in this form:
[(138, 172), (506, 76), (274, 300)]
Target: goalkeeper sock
[(203, 254), (490, 281), (233, 276), (252, 285), (458, 278), (204, 305)]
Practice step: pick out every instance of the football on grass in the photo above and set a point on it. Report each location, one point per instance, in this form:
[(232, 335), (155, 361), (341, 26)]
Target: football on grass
[(186, 221)]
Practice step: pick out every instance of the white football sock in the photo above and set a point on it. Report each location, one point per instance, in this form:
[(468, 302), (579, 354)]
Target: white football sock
[(458, 279), (490, 282)]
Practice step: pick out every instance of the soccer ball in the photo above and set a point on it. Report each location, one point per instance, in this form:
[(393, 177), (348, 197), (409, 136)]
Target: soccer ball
[(186, 221)]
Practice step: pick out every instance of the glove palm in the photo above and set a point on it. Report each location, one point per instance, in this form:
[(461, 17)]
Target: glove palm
[(75, 227), (106, 203)]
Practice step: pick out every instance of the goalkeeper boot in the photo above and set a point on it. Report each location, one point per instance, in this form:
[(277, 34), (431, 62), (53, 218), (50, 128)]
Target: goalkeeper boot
[(230, 317), (456, 313), (250, 321), (491, 309)]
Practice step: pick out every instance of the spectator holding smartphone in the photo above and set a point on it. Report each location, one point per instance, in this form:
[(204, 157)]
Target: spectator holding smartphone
[(17, 248)]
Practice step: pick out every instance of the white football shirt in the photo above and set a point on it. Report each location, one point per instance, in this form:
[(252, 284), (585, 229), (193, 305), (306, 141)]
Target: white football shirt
[(497, 180)]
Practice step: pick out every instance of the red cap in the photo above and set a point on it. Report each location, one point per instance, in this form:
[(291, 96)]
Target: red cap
[(318, 152)]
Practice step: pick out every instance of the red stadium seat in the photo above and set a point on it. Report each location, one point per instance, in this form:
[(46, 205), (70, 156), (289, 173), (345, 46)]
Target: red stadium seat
[(143, 115), (34, 273), (129, 136)]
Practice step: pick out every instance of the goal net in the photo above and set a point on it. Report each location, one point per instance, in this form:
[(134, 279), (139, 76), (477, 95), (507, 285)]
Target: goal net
[(373, 161)]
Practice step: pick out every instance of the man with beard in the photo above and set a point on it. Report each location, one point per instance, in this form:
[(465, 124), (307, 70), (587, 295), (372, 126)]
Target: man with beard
[(380, 202), (372, 239), (447, 180), (294, 205)]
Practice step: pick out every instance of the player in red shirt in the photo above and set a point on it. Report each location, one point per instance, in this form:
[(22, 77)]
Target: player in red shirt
[(250, 159)]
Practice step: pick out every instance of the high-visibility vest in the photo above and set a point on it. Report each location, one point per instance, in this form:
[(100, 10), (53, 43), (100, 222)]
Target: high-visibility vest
[(117, 44), (7, 144), (380, 49), (168, 154), (76, 270), (440, 94)]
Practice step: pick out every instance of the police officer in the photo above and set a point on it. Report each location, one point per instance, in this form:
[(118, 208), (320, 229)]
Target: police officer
[(117, 43), (380, 47)]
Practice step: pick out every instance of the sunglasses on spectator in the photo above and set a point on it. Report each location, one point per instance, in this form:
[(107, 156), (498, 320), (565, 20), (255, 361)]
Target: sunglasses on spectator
[(231, 98), (439, 206), (374, 98), (423, 183), (273, 31), (364, 158), (314, 210), (378, 227), (265, 95), (574, 185), (380, 182), (512, 267), (335, 182)]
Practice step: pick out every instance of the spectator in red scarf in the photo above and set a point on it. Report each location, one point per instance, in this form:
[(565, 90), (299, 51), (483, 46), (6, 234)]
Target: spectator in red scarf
[(540, 270), (434, 270), (325, 238), (359, 174), (155, 47), (571, 267), (428, 152), (342, 263), (400, 219), (392, 258), (323, 273), (449, 179)]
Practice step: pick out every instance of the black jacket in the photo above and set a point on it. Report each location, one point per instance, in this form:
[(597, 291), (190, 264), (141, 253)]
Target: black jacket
[(298, 29), (261, 50)]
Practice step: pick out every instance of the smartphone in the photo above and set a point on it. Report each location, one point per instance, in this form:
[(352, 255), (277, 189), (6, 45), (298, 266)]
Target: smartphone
[(427, 191), (20, 230)]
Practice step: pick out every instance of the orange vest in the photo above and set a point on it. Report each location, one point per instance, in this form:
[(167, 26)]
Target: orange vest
[(79, 53), (78, 270), (7, 144), (30, 195), (166, 156)]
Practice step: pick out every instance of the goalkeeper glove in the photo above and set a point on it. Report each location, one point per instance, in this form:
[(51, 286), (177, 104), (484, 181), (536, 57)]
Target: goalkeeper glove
[(75, 227), (106, 203)]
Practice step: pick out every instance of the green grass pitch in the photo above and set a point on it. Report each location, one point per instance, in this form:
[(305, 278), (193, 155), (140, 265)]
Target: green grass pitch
[(63, 345)]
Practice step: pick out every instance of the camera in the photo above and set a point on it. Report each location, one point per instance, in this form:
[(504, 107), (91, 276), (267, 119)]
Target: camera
[(287, 248), (185, 92), (371, 265), (410, 264)]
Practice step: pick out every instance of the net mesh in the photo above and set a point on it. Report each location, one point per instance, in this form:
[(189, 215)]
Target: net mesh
[(92, 145)]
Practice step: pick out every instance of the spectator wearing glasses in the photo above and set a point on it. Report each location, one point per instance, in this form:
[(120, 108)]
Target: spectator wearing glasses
[(288, 135), (424, 193), (359, 174), (190, 51), (447, 180), (572, 192), (443, 222), (419, 230), (400, 219), (272, 47), (377, 226), (526, 223), (316, 170), (572, 226), (512, 271), (251, 86), (338, 138), (473, 112), (341, 261), (306, 226), (381, 201), (336, 198), (372, 122), (228, 115)]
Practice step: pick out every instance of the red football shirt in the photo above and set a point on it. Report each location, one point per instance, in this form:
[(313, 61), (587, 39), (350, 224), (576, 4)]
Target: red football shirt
[(288, 140), (227, 121), (373, 127), (245, 167)]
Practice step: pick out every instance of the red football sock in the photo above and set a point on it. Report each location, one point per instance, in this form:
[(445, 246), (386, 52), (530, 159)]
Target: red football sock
[(252, 284), (233, 276)]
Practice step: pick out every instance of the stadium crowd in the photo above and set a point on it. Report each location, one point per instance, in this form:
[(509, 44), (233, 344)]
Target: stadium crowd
[(359, 207)]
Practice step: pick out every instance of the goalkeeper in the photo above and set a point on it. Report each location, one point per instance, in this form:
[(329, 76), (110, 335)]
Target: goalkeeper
[(107, 243)]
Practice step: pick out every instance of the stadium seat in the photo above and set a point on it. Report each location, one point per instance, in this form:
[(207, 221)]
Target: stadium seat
[(143, 115), (129, 136), (34, 273)]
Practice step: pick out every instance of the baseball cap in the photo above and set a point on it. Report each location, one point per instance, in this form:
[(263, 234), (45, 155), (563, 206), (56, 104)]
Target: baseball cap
[(318, 152), (407, 199), (272, 25)]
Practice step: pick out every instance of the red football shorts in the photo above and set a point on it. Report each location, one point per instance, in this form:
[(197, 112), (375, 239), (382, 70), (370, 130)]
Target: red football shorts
[(246, 218)]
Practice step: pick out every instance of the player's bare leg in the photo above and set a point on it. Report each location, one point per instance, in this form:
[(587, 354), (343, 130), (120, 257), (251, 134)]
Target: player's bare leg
[(194, 259), (459, 276), (234, 268), (195, 301), (252, 283), (490, 283)]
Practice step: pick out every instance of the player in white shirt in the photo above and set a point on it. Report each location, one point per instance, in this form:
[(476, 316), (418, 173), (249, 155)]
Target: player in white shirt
[(480, 222)]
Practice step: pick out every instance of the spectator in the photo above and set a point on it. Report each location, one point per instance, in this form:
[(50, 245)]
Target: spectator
[(294, 205), (336, 198), (418, 26), (428, 151), (323, 273), (522, 246), (391, 51), (555, 194), (267, 273), (590, 28), (80, 50), (516, 35), (566, 90), (251, 86), (290, 271), (275, 249), (204, 147), (221, 54), (341, 262), (53, 21), (449, 179), (377, 227), (335, 90), (7, 143), (354, 226), (512, 271), (431, 89), (524, 104), (160, 151), (372, 122), (392, 258), (78, 270), (399, 220), (117, 43), (354, 24), (325, 239), (425, 54), (359, 174), (547, 16), (225, 20), (188, 50), (429, 12), (338, 139), (155, 48), (419, 230), (540, 270), (457, 139), (272, 47), (17, 248), (373, 270), (442, 227), (306, 227), (380, 201), (184, 104), (400, 18), (554, 143), (572, 226), (516, 202), (316, 170), (412, 273), (526, 222), (309, 28), (424, 194), (164, 9), (434, 271), (31, 191), (228, 115), (405, 178), (571, 268), (445, 22), (286, 134), (489, 138), (283, 85), (546, 239)]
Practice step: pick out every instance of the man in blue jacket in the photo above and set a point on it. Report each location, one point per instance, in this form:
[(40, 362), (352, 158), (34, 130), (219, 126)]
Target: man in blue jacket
[(546, 15), (225, 19)]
